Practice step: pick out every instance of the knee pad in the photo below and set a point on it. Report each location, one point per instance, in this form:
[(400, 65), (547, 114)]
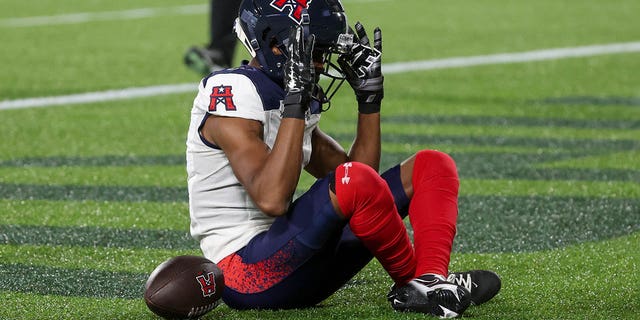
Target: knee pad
[(356, 184)]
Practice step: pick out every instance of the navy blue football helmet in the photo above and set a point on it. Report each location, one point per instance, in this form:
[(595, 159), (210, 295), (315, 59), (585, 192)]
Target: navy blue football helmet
[(263, 24)]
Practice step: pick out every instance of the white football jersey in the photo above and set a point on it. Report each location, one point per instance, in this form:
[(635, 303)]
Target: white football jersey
[(223, 216)]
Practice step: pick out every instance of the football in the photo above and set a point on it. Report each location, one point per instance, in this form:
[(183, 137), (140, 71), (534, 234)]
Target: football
[(184, 287)]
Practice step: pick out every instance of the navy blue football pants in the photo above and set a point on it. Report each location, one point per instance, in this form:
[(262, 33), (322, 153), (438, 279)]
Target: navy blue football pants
[(306, 255)]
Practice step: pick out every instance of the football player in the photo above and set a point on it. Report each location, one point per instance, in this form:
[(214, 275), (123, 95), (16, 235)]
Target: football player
[(256, 127)]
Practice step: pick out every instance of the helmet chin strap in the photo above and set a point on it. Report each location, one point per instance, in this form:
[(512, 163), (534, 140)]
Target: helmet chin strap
[(318, 94)]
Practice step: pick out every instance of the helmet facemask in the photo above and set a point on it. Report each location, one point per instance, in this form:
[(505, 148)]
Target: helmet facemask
[(332, 72)]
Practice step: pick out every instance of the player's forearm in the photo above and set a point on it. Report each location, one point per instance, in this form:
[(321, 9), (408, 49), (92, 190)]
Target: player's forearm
[(366, 145), (280, 174), (277, 181)]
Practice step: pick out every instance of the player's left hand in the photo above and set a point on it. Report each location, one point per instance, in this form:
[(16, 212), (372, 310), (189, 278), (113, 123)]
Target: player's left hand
[(363, 69)]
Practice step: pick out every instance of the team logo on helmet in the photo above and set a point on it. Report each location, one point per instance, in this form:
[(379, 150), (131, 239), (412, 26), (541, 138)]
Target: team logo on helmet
[(222, 95), (295, 8), (207, 284)]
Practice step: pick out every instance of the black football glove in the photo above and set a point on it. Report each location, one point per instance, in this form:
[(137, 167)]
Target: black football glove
[(298, 75), (362, 67)]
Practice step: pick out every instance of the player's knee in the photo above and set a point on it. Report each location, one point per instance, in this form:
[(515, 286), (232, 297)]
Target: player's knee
[(358, 175), (433, 163), (357, 184)]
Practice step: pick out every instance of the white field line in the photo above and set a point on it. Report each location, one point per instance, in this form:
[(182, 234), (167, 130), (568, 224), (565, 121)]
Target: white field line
[(84, 17), (501, 58), (99, 96), (392, 68)]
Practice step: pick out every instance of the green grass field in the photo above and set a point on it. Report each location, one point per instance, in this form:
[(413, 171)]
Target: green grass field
[(93, 195)]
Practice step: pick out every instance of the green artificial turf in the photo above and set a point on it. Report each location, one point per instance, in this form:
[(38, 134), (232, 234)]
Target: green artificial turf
[(93, 196)]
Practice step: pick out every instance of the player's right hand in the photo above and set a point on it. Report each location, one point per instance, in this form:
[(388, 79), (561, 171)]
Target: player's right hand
[(298, 74)]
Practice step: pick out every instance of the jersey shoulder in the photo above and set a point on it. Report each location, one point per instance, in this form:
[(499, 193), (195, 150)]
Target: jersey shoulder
[(242, 84)]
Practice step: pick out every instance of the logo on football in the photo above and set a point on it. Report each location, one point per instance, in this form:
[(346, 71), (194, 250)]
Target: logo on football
[(184, 287), (208, 284)]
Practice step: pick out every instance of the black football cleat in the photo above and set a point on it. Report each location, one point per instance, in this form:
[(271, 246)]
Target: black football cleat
[(430, 294), (482, 284), (204, 60)]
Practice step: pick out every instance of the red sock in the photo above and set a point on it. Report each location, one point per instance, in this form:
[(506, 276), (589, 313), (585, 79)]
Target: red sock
[(366, 200), (433, 210)]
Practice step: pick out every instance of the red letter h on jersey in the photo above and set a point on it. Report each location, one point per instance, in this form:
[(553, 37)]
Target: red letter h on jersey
[(222, 95)]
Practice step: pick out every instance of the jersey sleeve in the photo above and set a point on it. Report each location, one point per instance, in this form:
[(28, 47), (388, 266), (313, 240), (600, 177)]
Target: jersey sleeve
[(230, 95)]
